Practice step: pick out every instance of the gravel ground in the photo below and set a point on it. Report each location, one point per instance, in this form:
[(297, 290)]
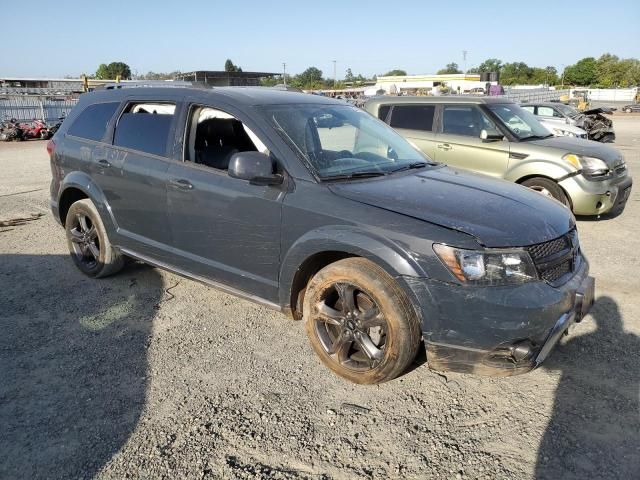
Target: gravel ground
[(149, 375)]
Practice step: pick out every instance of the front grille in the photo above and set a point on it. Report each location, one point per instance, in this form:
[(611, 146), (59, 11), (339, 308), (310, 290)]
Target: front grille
[(621, 169), (556, 258)]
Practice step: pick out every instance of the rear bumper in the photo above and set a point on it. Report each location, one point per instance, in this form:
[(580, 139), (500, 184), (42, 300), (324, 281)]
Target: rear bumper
[(597, 197), (499, 331)]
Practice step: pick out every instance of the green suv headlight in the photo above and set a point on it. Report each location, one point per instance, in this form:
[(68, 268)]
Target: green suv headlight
[(590, 166), (487, 267)]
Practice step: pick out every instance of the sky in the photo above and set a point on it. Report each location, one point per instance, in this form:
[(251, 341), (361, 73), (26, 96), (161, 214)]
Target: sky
[(370, 37)]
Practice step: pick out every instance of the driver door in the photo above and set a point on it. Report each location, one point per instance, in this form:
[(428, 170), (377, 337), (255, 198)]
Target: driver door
[(223, 229), (458, 143)]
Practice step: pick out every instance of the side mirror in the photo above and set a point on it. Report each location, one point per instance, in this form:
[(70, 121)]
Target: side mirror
[(485, 137), (255, 167)]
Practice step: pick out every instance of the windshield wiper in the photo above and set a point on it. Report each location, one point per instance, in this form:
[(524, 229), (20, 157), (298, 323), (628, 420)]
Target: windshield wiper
[(348, 176), (537, 137), (410, 166)]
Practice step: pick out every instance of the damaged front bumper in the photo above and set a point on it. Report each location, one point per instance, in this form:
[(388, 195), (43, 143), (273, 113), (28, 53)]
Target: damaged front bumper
[(498, 331)]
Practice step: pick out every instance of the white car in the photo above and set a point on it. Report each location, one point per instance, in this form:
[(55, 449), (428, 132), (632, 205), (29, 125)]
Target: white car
[(561, 128)]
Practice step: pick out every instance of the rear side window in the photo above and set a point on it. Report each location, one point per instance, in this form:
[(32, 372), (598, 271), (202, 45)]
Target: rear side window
[(92, 122), (414, 117), (145, 127)]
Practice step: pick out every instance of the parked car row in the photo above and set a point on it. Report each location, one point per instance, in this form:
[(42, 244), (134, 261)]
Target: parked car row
[(502, 139), (314, 207)]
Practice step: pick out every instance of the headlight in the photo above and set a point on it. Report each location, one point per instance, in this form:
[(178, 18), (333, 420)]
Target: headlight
[(487, 267), (591, 166), (563, 133)]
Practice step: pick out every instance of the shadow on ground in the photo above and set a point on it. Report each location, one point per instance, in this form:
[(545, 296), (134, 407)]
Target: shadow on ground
[(72, 362), (594, 430)]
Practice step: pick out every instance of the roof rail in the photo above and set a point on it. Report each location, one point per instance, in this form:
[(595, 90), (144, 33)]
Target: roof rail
[(145, 84)]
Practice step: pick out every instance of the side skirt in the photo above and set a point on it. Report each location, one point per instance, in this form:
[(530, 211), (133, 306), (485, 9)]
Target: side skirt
[(219, 286)]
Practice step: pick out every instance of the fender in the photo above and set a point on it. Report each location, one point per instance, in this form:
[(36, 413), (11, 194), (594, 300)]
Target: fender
[(348, 239), (84, 183), (540, 168)]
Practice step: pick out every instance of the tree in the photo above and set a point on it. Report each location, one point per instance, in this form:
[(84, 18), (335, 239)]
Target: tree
[(349, 76), (490, 65), (230, 67), (159, 75), (583, 73), (111, 71), (310, 79), (451, 68), (395, 73), (515, 73)]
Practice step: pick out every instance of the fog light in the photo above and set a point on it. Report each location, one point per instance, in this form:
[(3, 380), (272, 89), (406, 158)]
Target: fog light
[(598, 205)]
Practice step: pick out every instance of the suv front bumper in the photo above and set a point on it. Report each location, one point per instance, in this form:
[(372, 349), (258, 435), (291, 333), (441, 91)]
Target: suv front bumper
[(498, 330)]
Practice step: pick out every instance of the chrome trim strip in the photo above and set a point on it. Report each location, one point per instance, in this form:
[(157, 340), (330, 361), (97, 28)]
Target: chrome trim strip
[(219, 286)]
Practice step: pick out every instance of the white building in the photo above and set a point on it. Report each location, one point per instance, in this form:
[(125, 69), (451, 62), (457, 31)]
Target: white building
[(428, 84)]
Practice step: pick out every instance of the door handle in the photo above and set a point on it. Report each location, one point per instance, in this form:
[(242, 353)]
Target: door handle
[(104, 163), (181, 183), (444, 146)]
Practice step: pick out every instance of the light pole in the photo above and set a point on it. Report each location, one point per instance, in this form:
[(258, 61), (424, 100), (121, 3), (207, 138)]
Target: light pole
[(334, 75), (562, 81), (284, 73), (464, 60)]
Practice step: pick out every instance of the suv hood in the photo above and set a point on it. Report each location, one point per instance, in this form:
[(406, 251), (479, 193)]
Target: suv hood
[(496, 212), (579, 146)]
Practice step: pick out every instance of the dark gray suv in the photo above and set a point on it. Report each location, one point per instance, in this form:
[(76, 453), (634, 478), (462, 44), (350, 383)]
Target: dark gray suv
[(315, 208)]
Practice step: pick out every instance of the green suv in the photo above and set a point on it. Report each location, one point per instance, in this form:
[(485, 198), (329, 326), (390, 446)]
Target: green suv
[(498, 138)]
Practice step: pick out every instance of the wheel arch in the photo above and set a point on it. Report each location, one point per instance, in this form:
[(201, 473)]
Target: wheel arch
[(77, 186), (520, 181), (322, 247)]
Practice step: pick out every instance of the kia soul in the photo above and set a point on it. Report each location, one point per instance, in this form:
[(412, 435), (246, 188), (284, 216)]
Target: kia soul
[(317, 209)]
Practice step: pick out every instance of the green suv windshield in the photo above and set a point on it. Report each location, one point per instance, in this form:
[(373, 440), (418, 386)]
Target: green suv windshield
[(343, 141), (520, 122)]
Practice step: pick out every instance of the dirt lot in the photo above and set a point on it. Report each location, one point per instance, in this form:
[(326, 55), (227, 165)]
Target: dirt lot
[(148, 375)]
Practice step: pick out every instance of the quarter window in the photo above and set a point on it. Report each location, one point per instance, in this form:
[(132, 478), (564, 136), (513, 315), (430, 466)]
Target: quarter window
[(92, 122), (383, 111), (145, 127), (413, 117)]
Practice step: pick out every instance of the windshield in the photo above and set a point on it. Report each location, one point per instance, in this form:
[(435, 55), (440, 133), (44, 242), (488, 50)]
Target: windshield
[(521, 123), (343, 141), (568, 110)]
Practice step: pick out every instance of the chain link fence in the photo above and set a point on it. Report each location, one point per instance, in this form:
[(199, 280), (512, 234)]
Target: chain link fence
[(26, 108)]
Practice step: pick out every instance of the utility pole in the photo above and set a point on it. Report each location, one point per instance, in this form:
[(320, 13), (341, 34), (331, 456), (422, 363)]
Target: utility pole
[(464, 60), (284, 73), (335, 78), (562, 86)]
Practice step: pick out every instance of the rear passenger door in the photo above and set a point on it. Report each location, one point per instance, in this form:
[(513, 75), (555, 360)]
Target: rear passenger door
[(139, 157), (415, 123), (459, 143)]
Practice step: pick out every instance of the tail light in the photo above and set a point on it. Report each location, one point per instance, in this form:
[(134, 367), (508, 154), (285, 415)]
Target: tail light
[(51, 145)]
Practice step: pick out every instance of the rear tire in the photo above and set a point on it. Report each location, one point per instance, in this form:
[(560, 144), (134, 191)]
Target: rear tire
[(359, 321), (89, 245), (547, 187)]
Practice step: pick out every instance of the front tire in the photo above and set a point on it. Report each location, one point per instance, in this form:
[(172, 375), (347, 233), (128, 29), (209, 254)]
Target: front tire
[(89, 245), (547, 187), (359, 322)]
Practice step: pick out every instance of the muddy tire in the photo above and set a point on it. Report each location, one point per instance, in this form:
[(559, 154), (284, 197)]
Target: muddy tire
[(88, 243), (547, 187), (359, 322)]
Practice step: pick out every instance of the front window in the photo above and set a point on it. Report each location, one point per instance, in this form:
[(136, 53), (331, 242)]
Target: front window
[(343, 141), (519, 122)]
